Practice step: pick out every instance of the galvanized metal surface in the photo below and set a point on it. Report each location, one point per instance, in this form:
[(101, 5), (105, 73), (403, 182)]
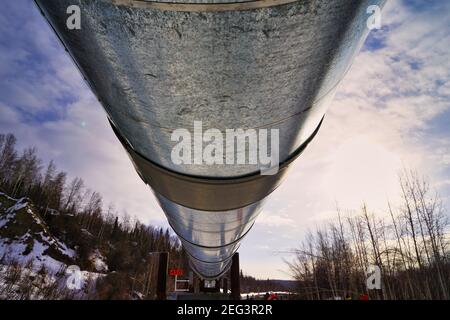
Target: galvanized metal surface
[(202, 5), (158, 70), (209, 194)]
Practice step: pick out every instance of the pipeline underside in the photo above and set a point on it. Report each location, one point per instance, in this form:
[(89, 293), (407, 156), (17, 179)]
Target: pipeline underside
[(156, 67)]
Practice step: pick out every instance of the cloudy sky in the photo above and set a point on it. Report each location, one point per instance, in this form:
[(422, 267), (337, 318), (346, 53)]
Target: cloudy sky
[(392, 111)]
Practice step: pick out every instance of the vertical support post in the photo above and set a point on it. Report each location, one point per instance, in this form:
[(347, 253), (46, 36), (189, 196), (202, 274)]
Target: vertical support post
[(234, 275), (197, 284), (162, 276), (175, 286), (191, 281), (225, 285), (217, 286)]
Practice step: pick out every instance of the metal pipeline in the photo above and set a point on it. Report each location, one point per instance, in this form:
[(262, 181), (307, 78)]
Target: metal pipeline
[(157, 66)]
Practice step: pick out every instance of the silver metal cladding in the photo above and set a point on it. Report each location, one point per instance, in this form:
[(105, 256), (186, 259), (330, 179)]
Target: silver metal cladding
[(157, 66)]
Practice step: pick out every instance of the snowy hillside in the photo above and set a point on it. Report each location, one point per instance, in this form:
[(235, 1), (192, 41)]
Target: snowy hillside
[(25, 237), (54, 230), (33, 263)]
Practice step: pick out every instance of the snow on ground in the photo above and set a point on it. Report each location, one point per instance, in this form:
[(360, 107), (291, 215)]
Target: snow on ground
[(4, 221), (35, 285), (98, 260), (86, 233), (13, 289), (61, 246), (31, 240), (14, 250), (28, 265), (11, 211), (11, 249), (262, 294)]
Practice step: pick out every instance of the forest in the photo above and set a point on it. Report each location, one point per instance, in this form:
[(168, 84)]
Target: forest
[(409, 243), (83, 223)]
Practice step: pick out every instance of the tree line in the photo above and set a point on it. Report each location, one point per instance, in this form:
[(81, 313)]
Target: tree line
[(409, 244), (76, 215), (252, 284)]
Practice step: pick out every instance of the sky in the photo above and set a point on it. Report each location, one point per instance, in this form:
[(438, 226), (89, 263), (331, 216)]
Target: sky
[(391, 111)]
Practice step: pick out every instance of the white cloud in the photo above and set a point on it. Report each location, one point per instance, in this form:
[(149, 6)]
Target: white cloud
[(274, 221)]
